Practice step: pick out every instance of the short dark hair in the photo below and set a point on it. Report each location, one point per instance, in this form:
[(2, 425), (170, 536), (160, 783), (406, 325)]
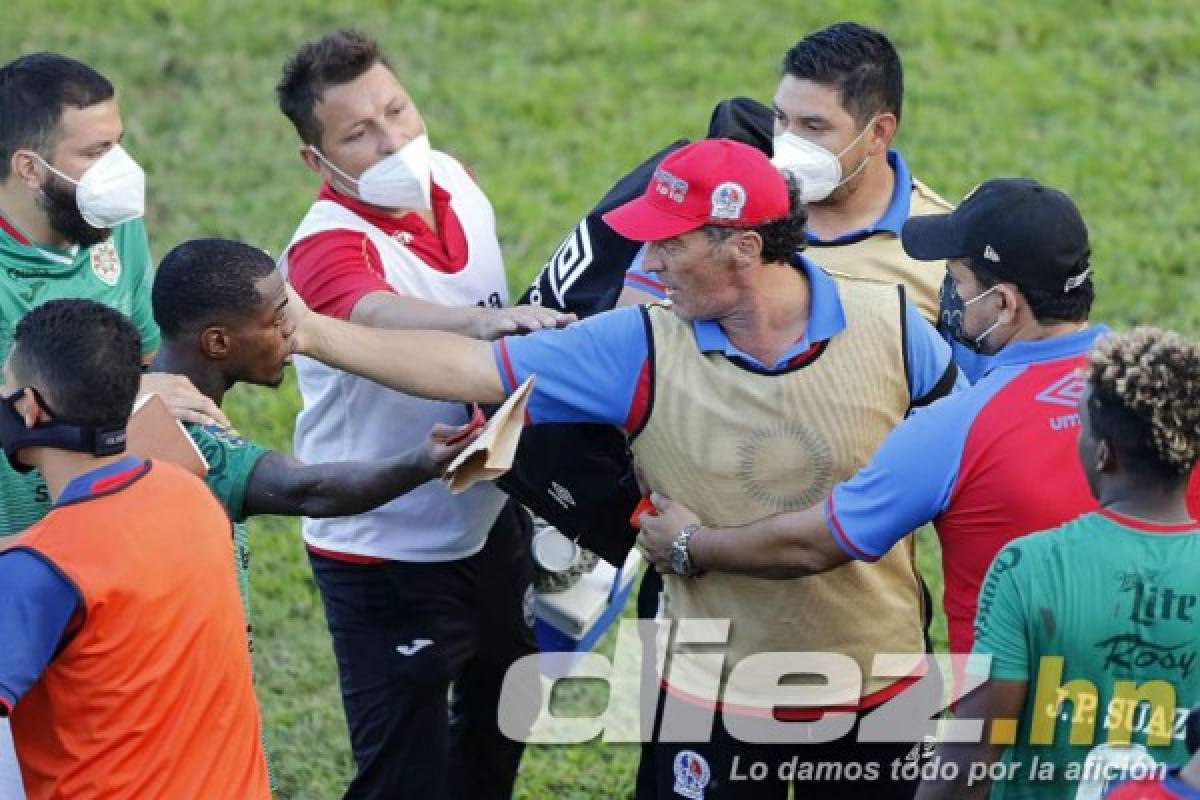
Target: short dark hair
[(782, 238), (83, 357), (34, 90), (1143, 402), (1048, 305), (204, 282), (332, 60), (861, 63)]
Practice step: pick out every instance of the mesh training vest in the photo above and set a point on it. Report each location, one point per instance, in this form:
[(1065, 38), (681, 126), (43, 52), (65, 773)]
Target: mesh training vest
[(737, 445)]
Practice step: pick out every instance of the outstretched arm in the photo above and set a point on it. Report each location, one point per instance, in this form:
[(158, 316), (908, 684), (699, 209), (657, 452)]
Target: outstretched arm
[(400, 312), (438, 366), (906, 484), (782, 546), (282, 485)]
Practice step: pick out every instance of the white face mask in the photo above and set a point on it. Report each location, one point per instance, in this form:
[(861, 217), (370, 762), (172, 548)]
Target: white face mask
[(109, 192), (817, 170), (400, 180), (976, 344)]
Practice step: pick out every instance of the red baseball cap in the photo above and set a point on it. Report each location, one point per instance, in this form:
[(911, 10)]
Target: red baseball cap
[(710, 182)]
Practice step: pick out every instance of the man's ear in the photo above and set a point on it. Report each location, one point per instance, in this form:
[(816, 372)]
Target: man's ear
[(1106, 457), (30, 408), (215, 343), (25, 167), (748, 247), (310, 159), (1012, 301), (883, 130)]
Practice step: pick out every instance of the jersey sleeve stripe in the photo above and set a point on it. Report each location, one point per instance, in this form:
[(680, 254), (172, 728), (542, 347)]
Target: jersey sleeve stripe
[(839, 535), (504, 364), (646, 284), (639, 407)]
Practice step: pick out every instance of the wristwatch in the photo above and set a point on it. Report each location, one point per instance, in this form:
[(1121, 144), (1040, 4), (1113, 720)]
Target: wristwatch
[(681, 559)]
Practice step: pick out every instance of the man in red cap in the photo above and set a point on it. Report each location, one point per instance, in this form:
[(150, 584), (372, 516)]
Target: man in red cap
[(1019, 255), (764, 382)]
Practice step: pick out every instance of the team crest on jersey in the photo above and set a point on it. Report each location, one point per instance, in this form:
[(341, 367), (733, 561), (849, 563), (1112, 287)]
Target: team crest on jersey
[(727, 201), (691, 774), (106, 263)]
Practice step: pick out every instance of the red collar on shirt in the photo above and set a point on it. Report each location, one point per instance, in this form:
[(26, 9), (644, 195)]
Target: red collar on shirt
[(1146, 526), (445, 250), (12, 231)]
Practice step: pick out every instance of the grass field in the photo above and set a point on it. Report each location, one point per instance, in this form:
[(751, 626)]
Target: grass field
[(548, 102)]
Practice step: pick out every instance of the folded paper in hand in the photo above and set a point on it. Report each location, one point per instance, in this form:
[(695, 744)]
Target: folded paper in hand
[(491, 455), (154, 434)]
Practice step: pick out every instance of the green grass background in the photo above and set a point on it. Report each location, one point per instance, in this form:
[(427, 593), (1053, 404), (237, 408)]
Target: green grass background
[(548, 102)]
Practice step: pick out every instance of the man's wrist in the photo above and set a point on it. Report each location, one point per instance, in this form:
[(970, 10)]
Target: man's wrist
[(700, 550), (681, 552), (314, 340), (424, 464), (479, 323)]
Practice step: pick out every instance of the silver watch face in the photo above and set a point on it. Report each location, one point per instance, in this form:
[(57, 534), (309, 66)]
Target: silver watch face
[(679, 560)]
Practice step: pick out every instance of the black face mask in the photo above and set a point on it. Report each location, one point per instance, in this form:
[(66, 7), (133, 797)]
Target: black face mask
[(950, 315), (58, 433), (57, 199)]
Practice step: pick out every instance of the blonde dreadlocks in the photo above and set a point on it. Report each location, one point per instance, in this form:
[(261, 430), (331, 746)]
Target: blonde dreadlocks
[(1146, 398)]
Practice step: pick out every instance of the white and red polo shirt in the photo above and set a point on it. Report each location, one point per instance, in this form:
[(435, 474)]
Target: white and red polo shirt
[(342, 251)]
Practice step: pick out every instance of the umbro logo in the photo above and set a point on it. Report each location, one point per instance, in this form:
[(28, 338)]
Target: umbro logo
[(569, 262), (561, 494), (1066, 391)]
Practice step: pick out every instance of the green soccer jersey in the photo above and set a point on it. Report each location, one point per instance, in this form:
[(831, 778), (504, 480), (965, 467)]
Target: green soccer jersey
[(116, 272), (231, 462), (1101, 617)]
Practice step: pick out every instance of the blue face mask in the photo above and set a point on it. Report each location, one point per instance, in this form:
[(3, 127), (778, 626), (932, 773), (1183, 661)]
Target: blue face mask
[(58, 433)]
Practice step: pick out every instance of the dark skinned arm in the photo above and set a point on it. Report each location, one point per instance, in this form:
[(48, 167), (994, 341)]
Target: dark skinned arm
[(994, 700), (282, 485)]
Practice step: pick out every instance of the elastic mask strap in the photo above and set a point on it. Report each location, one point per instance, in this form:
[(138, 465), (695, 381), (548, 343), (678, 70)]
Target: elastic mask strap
[(331, 165), (105, 439)]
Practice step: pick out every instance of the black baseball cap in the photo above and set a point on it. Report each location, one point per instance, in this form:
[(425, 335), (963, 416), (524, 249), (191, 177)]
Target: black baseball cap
[(1015, 229)]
